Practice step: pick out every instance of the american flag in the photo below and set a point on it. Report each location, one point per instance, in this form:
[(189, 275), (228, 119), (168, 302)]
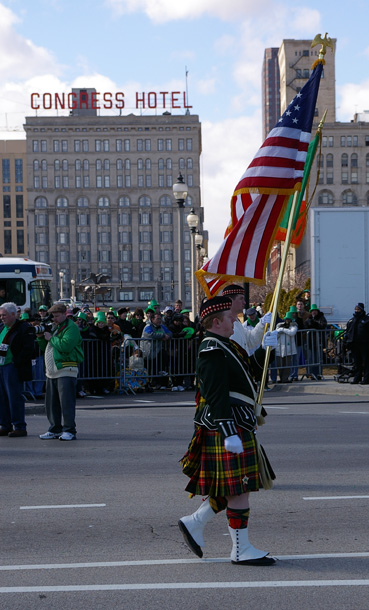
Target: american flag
[(261, 196)]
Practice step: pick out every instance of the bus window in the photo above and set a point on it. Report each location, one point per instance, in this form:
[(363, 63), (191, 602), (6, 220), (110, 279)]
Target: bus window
[(40, 294), (13, 291)]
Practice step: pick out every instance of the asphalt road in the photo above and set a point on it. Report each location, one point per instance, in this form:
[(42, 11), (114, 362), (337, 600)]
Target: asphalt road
[(93, 523)]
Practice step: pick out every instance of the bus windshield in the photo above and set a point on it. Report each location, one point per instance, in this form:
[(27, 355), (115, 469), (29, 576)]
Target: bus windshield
[(13, 291), (40, 294)]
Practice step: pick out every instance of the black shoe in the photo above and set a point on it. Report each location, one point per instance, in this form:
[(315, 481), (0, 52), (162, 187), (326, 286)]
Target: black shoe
[(263, 561), (15, 433)]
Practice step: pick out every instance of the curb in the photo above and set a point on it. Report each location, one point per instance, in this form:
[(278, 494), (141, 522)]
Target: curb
[(327, 386)]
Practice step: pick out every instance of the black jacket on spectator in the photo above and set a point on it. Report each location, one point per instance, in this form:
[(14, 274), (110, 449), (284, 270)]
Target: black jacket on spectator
[(357, 329), (21, 343)]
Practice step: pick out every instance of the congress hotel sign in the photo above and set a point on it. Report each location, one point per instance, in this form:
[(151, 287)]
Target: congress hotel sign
[(94, 100)]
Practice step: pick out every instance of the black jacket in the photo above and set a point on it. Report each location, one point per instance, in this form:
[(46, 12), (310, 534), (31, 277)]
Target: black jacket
[(21, 343), (357, 329)]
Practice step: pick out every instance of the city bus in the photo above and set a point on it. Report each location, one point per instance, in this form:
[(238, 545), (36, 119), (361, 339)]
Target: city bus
[(25, 283)]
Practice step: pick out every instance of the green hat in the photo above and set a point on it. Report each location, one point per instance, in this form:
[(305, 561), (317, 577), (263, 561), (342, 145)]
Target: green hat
[(24, 316), (293, 309), (42, 308), (149, 308), (185, 311), (82, 316), (153, 303), (100, 317), (188, 332), (314, 307), (288, 316)]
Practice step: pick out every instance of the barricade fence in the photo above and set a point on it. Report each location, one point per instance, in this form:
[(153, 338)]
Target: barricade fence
[(138, 364)]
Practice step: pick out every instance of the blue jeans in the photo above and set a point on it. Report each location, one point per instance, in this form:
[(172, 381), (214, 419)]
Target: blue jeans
[(12, 409), (60, 402), (36, 386)]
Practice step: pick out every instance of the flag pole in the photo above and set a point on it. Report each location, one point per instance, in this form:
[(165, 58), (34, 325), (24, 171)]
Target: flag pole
[(278, 287), (276, 295)]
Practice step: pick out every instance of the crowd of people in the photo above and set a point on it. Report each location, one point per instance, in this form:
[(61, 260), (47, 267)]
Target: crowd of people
[(150, 349)]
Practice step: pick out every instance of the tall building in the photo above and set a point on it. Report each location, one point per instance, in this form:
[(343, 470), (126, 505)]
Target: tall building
[(100, 198), (340, 174), (13, 179), (295, 60), (270, 90)]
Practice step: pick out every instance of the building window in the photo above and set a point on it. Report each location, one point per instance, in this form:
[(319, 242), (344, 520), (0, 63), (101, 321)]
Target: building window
[(126, 296), (104, 256), (18, 171), (145, 256), (166, 218), (103, 237), (106, 182), (98, 146), (140, 181), (125, 254), (167, 255), (349, 198), (36, 166), (330, 141), (160, 144), (343, 140), (139, 145), (85, 146), (6, 206), (145, 237), (145, 218), (166, 237), (41, 220), (83, 220), (168, 144), (127, 146), (77, 146), (124, 202), (62, 220), (126, 274), (62, 238), (86, 182), (145, 276), (40, 202), (165, 200), (189, 144), (144, 200), (44, 182), (19, 206), (181, 164), (103, 202), (35, 146), (62, 202), (125, 237), (118, 145), (181, 144), (41, 239), (119, 165), (83, 238), (36, 182), (103, 220), (344, 160), (124, 219), (349, 141)]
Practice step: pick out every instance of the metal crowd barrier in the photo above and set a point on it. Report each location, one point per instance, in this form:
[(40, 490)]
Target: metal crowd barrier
[(171, 363)]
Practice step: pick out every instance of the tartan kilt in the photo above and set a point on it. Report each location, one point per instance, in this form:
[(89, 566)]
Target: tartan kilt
[(213, 471)]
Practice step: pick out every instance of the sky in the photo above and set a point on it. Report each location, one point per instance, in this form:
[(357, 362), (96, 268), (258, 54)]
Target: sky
[(148, 45)]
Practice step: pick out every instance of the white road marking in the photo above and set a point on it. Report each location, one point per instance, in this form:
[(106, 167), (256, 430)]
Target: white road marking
[(61, 506), (156, 562), (337, 498), (188, 585), (269, 408), (355, 412)]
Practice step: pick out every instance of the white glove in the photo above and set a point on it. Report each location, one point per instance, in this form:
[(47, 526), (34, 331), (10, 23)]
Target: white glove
[(270, 339), (267, 318), (280, 330), (233, 444)]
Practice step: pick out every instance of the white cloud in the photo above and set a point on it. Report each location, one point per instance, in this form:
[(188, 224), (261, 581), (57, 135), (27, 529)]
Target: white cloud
[(20, 58), (228, 148), (161, 11), (352, 98)]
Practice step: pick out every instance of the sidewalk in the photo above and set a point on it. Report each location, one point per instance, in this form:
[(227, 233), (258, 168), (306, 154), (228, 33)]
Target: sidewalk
[(326, 386)]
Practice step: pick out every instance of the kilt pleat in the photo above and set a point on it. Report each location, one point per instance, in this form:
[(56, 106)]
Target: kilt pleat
[(216, 472)]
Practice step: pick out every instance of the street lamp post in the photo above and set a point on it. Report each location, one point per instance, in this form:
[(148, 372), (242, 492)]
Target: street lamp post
[(180, 194), (73, 285), (193, 221), (61, 276)]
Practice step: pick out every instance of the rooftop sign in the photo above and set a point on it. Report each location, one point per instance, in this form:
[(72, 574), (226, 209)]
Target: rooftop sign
[(95, 100)]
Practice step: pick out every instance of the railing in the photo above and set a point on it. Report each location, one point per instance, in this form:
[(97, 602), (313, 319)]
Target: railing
[(171, 363)]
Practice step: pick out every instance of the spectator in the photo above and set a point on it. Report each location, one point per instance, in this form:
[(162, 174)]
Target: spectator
[(137, 378), (178, 306), (177, 351), (302, 313), (137, 322), (16, 349), (315, 341), (124, 324), (2, 294), (100, 360), (63, 353), (168, 315), (298, 358), (286, 346), (304, 296), (357, 340), (155, 335)]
